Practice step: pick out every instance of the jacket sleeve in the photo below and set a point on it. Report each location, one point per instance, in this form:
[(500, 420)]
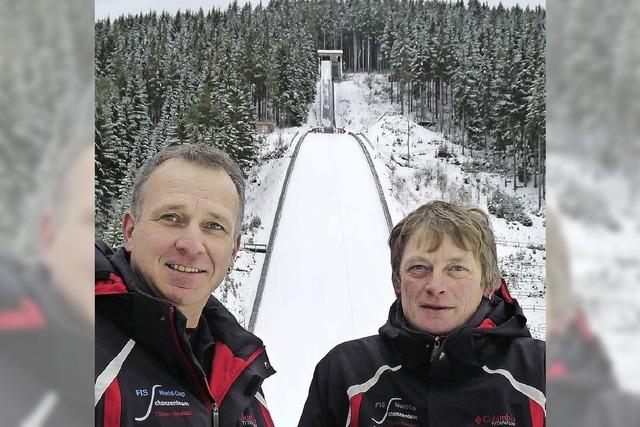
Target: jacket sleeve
[(327, 403), (99, 414), (264, 411), (108, 410)]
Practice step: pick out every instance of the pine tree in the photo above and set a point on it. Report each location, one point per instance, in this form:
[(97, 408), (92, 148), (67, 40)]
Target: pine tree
[(401, 58), (205, 76)]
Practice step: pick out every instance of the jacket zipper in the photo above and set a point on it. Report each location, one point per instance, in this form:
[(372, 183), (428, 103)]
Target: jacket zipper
[(215, 414), (435, 352)]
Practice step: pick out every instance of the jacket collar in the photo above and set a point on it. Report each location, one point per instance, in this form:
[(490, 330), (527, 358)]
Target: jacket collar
[(495, 319), (153, 321), (222, 324)]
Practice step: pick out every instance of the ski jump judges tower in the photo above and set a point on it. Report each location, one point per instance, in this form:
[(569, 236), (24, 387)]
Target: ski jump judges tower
[(330, 68)]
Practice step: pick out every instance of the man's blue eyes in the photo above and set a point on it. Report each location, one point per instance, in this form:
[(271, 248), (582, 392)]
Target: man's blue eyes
[(421, 268), (174, 219)]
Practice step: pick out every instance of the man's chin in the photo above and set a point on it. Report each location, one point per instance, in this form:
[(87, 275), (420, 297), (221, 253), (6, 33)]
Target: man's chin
[(181, 296), (435, 328)]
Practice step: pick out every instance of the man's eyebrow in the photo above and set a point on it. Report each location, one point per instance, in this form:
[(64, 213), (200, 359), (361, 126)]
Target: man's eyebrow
[(172, 207), (419, 258), (415, 258)]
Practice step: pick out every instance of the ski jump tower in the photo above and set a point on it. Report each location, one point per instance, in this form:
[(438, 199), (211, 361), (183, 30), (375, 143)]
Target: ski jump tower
[(330, 67)]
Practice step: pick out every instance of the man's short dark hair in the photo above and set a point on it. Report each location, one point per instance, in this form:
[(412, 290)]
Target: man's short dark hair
[(198, 154)]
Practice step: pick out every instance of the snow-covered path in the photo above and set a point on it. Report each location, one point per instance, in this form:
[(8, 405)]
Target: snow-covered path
[(329, 279)]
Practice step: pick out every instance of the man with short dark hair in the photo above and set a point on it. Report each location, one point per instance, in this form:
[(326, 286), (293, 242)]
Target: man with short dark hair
[(167, 352), (455, 350)]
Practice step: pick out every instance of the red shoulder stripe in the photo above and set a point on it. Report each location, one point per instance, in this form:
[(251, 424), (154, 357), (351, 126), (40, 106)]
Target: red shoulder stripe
[(537, 414), (266, 415), (355, 404), (112, 405)]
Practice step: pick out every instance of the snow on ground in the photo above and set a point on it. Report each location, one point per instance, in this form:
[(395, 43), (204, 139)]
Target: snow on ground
[(329, 276), (362, 106), (314, 228), (264, 184)]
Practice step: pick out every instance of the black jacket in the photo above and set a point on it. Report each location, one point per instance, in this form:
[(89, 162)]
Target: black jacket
[(46, 352), (489, 372), (148, 372)]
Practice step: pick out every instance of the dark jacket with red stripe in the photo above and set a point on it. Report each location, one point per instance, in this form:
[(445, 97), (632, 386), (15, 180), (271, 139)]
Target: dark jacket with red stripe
[(46, 352), (147, 372), (487, 373)]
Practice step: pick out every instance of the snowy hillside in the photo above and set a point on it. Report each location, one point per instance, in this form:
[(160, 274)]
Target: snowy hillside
[(329, 273), (361, 101), (363, 104)]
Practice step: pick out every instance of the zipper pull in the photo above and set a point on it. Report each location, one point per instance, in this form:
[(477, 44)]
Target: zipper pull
[(435, 352), (215, 415)]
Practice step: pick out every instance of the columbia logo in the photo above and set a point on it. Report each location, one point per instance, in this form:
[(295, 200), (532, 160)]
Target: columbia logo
[(496, 420)]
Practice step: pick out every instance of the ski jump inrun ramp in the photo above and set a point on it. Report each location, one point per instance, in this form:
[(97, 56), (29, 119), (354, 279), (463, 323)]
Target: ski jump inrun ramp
[(327, 276)]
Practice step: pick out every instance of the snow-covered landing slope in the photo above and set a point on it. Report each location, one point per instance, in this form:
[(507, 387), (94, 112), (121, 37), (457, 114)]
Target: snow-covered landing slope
[(329, 279)]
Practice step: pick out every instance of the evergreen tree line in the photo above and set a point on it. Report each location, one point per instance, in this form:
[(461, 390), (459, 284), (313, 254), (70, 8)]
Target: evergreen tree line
[(192, 77), (475, 72)]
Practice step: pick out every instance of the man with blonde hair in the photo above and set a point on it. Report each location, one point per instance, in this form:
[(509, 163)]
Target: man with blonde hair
[(455, 350)]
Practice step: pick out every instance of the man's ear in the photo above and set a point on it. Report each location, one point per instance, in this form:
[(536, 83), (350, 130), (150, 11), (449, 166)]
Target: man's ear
[(396, 287), (236, 247), (128, 227)]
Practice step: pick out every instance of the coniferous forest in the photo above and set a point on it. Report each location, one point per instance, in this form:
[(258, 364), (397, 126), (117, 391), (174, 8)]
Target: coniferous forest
[(473, 72)]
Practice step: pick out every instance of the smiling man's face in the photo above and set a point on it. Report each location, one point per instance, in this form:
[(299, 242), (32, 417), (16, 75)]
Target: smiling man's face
[(439, 290), (184, 238)]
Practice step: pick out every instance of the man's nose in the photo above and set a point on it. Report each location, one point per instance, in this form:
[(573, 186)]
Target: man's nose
[(436, 283), (191, 240)]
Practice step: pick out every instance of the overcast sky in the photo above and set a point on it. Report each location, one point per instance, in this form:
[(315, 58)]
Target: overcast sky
[(115, 8)]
